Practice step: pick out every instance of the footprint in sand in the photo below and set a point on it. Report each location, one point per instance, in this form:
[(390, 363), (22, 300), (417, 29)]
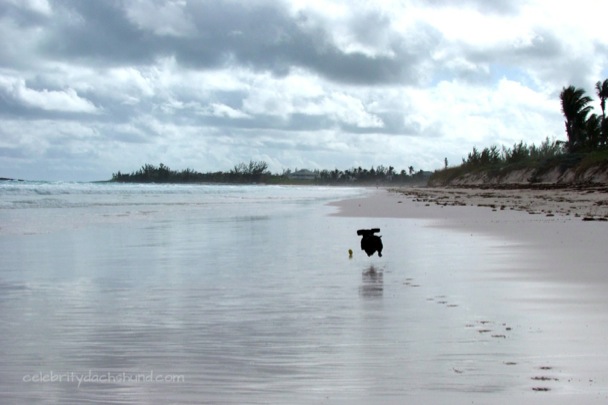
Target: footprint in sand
[(441, 299), (409, 282), (543, 378), (485, 326)]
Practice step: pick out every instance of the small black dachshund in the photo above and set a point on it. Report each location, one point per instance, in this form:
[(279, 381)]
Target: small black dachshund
[(369, 242)]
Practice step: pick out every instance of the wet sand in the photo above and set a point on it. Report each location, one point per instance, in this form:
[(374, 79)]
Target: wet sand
[(565, 227), (561, 235), (255, 299)]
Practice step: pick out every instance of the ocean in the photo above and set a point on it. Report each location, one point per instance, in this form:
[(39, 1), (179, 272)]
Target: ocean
[(157, 294)]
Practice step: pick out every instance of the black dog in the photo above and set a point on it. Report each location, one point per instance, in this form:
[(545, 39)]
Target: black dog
[(369, 242)]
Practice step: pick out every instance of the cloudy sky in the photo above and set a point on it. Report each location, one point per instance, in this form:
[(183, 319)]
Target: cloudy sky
[(88, 88)]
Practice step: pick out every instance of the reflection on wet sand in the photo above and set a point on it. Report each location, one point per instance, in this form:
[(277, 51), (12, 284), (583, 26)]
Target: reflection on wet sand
[(372, 284)]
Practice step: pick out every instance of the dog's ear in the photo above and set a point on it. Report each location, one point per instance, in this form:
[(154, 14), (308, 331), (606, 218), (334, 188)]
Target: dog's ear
[(374, 230), (362, 232)]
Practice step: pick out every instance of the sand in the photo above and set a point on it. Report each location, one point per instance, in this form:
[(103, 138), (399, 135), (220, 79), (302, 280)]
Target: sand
[(255, 300), (587, 203), (567, 226), (562, 233)]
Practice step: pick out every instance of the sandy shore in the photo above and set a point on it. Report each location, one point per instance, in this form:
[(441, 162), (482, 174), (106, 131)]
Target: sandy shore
[(566, 226), (562, 233), (586, 203)]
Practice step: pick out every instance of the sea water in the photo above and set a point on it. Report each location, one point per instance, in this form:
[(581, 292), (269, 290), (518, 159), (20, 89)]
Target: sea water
[(155, 294)]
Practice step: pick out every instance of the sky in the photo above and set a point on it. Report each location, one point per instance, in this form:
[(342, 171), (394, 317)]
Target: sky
[(89, 88)]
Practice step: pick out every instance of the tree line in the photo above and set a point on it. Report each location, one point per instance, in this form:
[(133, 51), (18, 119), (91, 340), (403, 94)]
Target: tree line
[(257, 172), (149, 173), (520, 153), (586, 132), (380, 174)]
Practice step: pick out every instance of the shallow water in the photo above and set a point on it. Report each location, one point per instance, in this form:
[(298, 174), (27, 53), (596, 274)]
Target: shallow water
[(215, 294)]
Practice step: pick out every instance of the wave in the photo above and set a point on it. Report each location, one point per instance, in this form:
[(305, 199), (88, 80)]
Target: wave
[(37, 194)]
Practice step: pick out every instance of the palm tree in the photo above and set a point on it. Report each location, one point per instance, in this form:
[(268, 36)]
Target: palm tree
[(575, 106), (593, 131), (602, 93)]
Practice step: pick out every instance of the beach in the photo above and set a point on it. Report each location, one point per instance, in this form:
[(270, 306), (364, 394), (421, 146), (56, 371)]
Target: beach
[(558, 291), (153, 294)]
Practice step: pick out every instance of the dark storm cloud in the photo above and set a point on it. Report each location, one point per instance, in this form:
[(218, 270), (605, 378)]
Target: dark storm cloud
[(262, 37), (267, 38), (98, 32), (22, 17)]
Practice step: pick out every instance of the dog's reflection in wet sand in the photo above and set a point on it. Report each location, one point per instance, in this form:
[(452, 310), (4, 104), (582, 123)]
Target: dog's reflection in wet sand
[(372, 284)]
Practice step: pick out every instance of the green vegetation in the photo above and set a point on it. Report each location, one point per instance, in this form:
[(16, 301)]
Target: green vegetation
[(497, 161), (242, 173), (586, 147), (257, 172)]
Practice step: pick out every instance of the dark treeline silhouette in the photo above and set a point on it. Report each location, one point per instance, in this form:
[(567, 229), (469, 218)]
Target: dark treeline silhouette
[(257, 172), (519, 153), (242, 173), (587, 143), (380, 174)]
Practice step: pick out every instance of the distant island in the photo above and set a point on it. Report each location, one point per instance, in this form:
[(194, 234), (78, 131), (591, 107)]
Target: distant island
[(256, 172)]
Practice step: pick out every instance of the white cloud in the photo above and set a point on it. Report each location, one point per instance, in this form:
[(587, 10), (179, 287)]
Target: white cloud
[(222, 110), (349, 110), (66, 100), (481, 116), (302, 93), (318, 84), (132, 80)]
